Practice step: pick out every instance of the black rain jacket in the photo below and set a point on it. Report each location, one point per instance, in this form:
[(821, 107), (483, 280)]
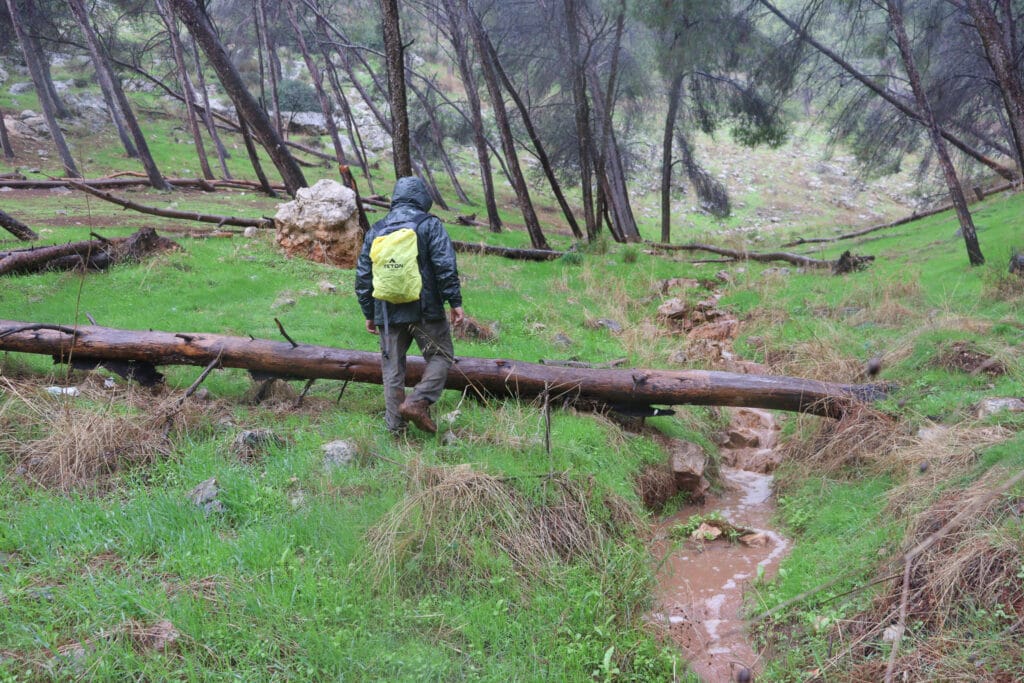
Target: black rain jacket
[(438, 267)]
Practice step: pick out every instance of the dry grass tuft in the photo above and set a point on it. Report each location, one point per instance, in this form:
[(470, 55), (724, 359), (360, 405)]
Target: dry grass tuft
[(935, 455), (818, 359), (66, 444), (456, 521), (656, 484), (863, 437), (966, 357)]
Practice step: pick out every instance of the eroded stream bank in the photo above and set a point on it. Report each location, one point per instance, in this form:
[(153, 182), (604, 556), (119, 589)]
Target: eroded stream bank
[(701, 582)]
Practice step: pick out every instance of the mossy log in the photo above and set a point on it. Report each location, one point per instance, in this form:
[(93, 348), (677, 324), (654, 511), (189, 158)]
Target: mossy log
[(485, 376)]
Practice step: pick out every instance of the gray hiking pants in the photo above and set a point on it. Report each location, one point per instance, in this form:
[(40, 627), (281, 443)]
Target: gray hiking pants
[(435, 342)]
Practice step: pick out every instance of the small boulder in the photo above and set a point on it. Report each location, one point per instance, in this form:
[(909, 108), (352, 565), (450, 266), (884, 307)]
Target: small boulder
[(339, 453), (252, 442), (204, 492), (321, 225), (991, 406), (754, 540)]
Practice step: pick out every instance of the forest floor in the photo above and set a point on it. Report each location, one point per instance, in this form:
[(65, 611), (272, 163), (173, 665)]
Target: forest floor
[(479, 554)]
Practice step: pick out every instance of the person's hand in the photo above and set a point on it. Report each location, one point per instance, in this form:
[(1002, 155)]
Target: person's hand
[(457, 316), (371, 327)]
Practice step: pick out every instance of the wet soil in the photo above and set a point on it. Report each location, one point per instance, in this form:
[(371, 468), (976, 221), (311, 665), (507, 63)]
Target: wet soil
[(701, 584)]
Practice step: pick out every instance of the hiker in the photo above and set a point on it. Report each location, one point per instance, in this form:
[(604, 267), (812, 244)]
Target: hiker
[(401, 302)]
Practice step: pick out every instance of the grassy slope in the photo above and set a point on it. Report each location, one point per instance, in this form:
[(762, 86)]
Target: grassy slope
[(276, 588)]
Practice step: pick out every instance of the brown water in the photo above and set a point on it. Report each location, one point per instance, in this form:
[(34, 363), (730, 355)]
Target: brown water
[(701, 584)]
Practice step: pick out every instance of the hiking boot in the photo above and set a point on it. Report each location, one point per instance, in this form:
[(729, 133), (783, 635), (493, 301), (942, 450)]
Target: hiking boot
[(416, 412)]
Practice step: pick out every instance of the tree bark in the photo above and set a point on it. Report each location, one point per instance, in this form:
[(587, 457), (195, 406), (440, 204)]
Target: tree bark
[(956, 192), (97, 254), (486, 376), (5, 142), (395, 59), (582, 119), (254, 158), (33, 17), (508, 144), (17, 228), (675, 92), (202, 31), (35, 68)]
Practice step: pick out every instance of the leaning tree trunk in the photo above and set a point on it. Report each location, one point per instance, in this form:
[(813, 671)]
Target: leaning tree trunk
[(198, 24), (625, 389), (33, 19), (437, 132), (35, 68), (211, 126), (458, 39), (17, 228), (508, 144), (5, 142), (102, 63), (956, 192), (186, 87), (266, 46), (318, 83), (1000, 56), (394, 52), (254, 158)]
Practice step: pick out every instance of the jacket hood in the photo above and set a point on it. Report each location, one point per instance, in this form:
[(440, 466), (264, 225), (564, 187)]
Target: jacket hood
[(412, 190)]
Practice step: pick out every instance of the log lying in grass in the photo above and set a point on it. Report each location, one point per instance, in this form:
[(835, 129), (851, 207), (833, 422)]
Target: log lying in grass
[(168, 213), (97, 254), (17, 228), (767, 257), (507, 252), (126, 179), (486, 376)]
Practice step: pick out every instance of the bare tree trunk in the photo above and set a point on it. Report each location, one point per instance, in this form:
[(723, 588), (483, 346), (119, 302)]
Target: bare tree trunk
[(438, 134), (1000, 55), (202, 31), (318, 83), (33, 18), (538, 145), (156, 179), (508, 144), (35, 68), (485, 376), (675, 92), (882, 92), (186, 87), (254, 158), (266, 46), (582, 118), (17, 228), (458, 39), (956, 192), (395, 59), (211, 127), (354, 138), (5, 142)]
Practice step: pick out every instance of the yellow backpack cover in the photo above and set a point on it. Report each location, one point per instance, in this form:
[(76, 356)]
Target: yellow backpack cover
[(396, 274)]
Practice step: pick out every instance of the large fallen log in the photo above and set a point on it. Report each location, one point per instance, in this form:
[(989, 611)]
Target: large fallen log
[(486, 376), (97, 254), (764, 257), (17, 228)]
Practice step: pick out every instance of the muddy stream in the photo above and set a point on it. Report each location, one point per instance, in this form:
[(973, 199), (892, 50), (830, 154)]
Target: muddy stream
[(701, 583)]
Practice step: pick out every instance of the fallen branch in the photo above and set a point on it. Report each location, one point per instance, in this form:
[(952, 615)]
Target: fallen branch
[(902, 221), (98, 254), (130, 179), (17, 228), (507, 252), (170, 213), (485, 376), (764, 257)]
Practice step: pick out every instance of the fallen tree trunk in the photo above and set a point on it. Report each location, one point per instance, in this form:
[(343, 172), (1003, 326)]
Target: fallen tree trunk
[(485, 376), (98, 254), (169, 213), (17, 228), (765, 257), (129, 179), (507, 252)]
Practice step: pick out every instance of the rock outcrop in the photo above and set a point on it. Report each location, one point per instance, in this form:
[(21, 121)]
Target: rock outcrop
[(321, 225)]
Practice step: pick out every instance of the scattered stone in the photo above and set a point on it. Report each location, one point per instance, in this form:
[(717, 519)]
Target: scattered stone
[(663, 287), (705, 532), (723, 330), (205, 492), (563, 340), (755, 540), (339, 454), (775, 272), (283, 301), (60, 190), (990, 406), (688, 461), (250, 232), (474, 330), (297, 499), (608, 324), (678, 357), (742, 438), (321, 225), (449, 438), (326, 287), (673, 309), (159, 637), (21, 88), (252, 442)]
